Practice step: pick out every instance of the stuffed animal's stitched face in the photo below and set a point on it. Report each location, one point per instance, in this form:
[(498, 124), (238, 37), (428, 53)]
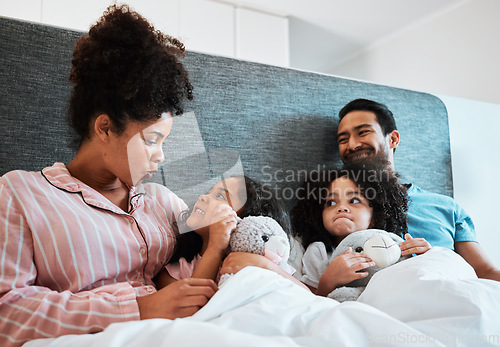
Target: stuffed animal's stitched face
[(383, 250), (278, 247)]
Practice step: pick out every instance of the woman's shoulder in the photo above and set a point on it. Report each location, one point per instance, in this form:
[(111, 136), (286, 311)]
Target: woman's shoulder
[(55, 176), (16, 177), (23, 185)]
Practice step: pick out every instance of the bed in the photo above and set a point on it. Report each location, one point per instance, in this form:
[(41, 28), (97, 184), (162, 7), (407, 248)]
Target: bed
[(413, 302), (274, 124)]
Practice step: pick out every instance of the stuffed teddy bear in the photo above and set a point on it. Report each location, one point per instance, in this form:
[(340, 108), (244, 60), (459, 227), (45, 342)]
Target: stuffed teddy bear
[(379, 245), (261, 235)]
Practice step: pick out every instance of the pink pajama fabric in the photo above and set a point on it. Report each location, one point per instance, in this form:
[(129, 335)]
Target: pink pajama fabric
[(71, 261)]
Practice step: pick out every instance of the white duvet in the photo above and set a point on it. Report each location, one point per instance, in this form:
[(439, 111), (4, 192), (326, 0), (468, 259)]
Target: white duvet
[(433, 299)]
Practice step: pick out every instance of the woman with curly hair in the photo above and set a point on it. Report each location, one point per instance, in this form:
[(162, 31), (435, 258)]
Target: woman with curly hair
[(86, 239), (364, 194)]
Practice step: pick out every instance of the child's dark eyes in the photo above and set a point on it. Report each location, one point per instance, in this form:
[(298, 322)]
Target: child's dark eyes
[(222, 196), (330, 203), (355, 201)]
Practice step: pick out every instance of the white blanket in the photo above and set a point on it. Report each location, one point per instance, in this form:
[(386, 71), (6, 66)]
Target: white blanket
[(434, 299)]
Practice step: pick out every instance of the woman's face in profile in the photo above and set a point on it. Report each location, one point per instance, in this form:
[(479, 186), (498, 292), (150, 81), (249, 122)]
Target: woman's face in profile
[(139, 149)]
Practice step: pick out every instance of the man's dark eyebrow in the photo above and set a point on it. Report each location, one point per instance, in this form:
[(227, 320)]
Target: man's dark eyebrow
[(361, 126), (366, 125)]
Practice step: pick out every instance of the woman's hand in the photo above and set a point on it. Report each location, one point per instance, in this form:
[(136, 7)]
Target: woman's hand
[(342, 270), (180, 299), (414, 246), (224, 222)]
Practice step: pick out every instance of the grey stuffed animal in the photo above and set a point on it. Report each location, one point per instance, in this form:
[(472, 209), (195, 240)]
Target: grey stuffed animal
[(261, 235), (382, 247)]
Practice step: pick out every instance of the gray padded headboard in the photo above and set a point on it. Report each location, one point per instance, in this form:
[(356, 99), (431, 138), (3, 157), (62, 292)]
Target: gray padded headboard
[(280, 121)]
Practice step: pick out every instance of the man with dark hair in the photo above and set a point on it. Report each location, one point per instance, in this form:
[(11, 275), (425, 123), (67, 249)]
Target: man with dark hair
[(368, 128)]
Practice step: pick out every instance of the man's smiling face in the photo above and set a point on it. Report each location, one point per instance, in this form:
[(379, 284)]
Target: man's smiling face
[(359, 135)]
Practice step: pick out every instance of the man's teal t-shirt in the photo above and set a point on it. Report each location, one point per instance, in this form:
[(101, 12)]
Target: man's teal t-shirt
[(438, 219)]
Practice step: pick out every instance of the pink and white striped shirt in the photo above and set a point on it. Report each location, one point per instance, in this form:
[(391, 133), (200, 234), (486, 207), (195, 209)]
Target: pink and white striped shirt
[(71, 261)]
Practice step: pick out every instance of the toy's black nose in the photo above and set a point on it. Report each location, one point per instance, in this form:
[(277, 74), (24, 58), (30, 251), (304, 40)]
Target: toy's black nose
[(358, 249)]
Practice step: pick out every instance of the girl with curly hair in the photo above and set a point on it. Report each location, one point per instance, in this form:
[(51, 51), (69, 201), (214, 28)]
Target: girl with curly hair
[(209, 222), (363, 194)]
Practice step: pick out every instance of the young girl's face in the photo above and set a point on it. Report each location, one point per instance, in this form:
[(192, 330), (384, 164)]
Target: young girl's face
[(346, 210), (228, 193)]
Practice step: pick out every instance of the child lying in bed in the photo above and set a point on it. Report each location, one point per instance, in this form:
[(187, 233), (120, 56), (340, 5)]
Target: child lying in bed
[(364, 194), (199, 252)]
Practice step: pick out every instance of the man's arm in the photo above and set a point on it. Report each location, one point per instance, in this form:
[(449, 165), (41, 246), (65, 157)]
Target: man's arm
[(475, 255)]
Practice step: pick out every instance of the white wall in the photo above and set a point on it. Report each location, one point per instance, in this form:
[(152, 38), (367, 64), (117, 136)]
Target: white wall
[(258, 33), (455, 53), (476, 165), (203, 26)]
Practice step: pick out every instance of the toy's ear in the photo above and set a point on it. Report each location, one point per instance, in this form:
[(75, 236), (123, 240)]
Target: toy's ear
[(398, 239)]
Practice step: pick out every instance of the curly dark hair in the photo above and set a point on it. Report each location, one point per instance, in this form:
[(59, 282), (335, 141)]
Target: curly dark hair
[(127, 70), (378, 184), (259, 202)]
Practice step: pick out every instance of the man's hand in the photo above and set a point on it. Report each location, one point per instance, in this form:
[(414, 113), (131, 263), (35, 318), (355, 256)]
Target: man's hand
[(180, 299), (414, 246)]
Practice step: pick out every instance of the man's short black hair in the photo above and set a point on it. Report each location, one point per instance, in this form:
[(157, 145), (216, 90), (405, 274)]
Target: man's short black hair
[(385, 118)]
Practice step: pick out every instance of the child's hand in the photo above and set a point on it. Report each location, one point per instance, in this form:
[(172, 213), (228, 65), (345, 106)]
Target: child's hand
[(342, 270), (414, 246), (225, 220)]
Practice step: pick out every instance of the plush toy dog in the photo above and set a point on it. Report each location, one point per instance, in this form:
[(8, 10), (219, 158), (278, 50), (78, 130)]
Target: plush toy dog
[(261, 235), (379, 245)]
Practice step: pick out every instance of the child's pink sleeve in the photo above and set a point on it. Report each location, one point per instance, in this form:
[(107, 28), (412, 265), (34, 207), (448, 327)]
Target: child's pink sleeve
[(182, 269)]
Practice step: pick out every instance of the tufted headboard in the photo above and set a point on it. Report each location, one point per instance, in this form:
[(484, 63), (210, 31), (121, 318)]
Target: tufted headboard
[(278, 122)]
